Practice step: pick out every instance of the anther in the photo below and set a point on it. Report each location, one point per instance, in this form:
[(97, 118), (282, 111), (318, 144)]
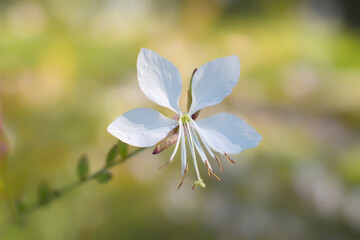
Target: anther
[(183, 177), (207, 165), (219, 163), (229, 158), (214, 175)]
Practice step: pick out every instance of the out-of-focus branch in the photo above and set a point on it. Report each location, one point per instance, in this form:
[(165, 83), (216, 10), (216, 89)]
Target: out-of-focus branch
[(46, 195)]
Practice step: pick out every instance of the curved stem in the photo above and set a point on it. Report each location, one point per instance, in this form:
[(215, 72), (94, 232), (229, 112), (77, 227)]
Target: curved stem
[(72, 186), (64, 190)]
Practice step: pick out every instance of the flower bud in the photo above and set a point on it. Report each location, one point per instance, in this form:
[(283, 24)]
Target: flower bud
[(169, 140)]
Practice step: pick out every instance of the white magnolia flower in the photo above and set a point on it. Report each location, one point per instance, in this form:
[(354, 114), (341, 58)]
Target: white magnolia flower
[(161, 82)]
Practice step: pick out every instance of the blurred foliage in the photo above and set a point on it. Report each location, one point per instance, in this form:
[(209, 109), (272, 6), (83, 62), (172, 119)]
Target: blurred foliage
[(68, 68), (83, 168)]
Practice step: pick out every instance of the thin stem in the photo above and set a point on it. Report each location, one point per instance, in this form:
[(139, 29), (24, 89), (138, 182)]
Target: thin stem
[(66, 189), (72, 186)]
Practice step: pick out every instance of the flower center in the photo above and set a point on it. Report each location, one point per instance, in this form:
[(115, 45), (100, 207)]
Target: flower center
[(185, 118)]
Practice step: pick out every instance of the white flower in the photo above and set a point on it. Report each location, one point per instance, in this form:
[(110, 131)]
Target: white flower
[(161, 82)]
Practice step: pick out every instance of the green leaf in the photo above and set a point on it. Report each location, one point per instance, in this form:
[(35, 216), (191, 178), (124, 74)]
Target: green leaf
[(104, 177), (123, 149), (111, 156), (44, 193), (83, 168)]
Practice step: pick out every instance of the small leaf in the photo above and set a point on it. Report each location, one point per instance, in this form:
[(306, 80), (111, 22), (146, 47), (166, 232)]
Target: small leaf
[(112, 154), (104, 177), (83, 168), (123, 149), (44, 193)]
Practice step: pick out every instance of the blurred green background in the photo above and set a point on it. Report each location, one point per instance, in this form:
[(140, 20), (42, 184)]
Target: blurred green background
[(68, 68)]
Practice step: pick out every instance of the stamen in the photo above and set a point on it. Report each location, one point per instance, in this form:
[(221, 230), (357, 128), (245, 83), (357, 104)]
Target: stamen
[(183, 150), (191, 143), (206, 163), (199, 148), (229, 158), (214, 175), (183, 177), (176, 147), (205, 144), (166, 164), (219, 163)]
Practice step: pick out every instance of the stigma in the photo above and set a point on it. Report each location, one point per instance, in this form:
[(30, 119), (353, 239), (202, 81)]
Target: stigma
[(185, 118)]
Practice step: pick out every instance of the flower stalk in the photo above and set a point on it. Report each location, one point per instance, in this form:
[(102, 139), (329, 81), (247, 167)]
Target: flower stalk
[(56, 194)]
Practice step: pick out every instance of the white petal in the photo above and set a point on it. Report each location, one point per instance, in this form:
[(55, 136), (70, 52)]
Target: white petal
[(226, 133), (142, 127), (159, 79), (213, 81)]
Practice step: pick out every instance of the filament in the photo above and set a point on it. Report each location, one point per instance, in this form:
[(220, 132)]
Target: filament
[(191, 142), (183, 151), (202, 137), (176, 147), (200, 149)]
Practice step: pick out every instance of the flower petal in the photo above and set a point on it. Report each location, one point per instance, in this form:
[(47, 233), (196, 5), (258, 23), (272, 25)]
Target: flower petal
[(226, 133), (142, 127), (213, 81), (159, 79)]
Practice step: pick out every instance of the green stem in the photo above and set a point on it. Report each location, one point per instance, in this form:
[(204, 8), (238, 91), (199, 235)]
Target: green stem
[(66, 189)]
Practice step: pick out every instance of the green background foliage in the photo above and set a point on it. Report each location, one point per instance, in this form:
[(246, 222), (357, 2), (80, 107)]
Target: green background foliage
[(68, 68)]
